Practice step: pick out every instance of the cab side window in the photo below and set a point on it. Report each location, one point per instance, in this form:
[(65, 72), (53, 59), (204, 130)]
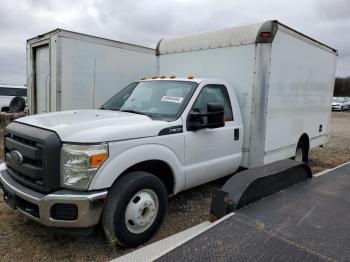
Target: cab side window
[(213, 94)]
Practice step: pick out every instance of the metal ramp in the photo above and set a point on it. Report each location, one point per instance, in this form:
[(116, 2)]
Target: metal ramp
[(309, 221)]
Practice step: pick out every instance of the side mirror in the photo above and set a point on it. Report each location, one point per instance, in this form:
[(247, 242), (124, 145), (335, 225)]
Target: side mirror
[(216, 115), (195, 120), (215, 118)]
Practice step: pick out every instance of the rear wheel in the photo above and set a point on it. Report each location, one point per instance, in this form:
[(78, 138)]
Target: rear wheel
[(301, 153), (135, 209), (17, 104)]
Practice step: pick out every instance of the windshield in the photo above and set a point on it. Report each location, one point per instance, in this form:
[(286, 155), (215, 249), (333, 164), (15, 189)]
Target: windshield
[(157, 99)]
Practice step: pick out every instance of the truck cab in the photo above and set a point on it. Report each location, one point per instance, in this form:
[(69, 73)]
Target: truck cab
[(119, 164)]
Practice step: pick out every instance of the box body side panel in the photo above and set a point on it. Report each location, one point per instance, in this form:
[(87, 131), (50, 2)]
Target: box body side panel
[(301, 86), (91, 73)]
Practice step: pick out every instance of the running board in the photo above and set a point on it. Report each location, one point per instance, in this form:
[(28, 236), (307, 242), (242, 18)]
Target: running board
[(253, 184)]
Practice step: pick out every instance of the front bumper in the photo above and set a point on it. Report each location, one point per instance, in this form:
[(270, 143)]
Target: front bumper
[(336, 108), (39, 207)]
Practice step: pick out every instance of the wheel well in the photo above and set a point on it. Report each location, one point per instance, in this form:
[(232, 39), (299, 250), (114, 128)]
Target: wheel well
[(158, 168), (306, 141)]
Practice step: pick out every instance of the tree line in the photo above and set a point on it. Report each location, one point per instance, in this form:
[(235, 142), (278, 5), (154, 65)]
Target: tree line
[(342, 86)]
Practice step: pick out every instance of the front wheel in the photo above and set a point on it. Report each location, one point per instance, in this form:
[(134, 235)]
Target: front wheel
[(134, 209)]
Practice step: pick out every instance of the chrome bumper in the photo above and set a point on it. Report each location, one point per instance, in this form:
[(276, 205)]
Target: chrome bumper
[(89, 204)]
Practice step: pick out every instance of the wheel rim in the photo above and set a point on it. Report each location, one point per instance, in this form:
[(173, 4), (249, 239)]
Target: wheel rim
[(299, 155), (141, 211)]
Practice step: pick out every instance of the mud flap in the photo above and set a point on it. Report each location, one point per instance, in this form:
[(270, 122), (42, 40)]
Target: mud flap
[(251, 185)]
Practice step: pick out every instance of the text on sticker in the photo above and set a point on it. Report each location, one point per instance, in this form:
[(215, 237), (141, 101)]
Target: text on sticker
[(172, 99)]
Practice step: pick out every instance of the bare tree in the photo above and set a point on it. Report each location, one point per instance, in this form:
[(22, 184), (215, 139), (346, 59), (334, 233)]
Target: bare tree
[(342, 86)]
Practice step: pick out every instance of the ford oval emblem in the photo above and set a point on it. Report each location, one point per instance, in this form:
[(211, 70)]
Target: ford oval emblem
[(17, 157)]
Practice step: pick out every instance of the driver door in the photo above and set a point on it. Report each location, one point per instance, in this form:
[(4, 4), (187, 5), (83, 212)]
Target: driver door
[(212, 153)]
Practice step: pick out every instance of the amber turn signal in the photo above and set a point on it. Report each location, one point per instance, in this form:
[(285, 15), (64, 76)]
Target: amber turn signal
[(265, 34), (97, 160)]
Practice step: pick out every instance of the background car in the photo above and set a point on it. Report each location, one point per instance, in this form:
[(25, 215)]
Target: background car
[(340, 103), (9, 92)]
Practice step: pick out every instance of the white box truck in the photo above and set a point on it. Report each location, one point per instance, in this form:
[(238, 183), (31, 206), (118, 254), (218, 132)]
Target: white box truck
[(264, 94), (283, 81), (68, 70)]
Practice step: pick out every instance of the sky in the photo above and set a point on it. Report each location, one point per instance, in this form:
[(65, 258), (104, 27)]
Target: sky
[(145, 22)]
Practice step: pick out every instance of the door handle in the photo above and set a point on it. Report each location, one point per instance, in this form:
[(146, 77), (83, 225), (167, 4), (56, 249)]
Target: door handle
[(236, 134)]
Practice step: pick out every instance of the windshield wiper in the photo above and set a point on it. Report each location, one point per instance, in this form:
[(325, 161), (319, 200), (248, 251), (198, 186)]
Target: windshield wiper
[(134, 112)]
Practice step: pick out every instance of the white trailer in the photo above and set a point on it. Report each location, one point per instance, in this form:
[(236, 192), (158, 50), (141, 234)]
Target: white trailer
[(283, 80), (68, 70)]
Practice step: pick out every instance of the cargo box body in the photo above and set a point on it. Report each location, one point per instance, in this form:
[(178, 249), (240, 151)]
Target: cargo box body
[(68, 70), (283, 80)]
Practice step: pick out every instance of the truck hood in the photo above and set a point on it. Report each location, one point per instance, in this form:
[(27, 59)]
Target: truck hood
[(93, 126)]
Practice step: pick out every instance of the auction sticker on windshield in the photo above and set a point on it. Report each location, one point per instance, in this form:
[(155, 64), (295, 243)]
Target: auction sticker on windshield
[(172, 99)]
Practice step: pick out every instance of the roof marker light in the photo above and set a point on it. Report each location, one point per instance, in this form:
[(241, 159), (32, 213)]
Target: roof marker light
[(265, 34), (143, 78), (162, 76), (190, 77), (173, 76), (154, 77)]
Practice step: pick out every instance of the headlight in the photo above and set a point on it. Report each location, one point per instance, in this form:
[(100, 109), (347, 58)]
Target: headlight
[(79, 164)]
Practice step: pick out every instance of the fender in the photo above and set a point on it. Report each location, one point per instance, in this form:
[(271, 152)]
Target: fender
[(114, 167)]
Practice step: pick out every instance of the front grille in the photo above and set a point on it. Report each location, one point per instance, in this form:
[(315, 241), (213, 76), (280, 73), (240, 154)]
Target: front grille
[(39, 150)]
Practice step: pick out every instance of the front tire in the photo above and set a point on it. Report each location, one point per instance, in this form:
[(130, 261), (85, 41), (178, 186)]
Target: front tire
[(134, 209)]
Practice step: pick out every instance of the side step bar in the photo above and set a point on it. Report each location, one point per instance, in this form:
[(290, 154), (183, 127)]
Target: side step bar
[(253, 184)]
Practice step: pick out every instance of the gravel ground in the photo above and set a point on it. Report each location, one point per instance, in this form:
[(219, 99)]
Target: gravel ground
[(24, 240)]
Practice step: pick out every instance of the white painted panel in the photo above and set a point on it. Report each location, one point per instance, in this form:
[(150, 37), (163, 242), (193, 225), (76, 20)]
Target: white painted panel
[(233, 36), (233, 64), (300, 93), (115, 70), (54, 66), (92, 73), (77, 75), (42, 78)]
